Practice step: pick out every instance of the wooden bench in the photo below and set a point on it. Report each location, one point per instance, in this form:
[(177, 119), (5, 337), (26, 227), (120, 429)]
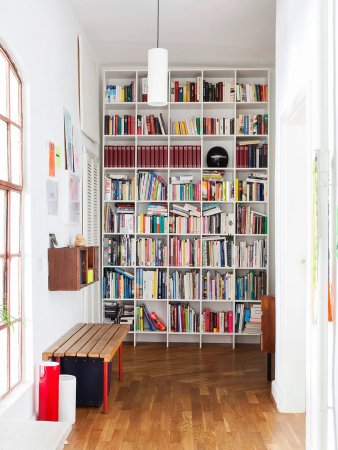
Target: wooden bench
[(91, 340)]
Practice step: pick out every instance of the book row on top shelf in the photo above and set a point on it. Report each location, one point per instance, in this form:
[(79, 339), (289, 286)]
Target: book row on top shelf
[(191, 86)]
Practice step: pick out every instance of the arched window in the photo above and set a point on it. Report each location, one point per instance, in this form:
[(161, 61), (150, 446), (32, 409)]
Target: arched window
[(10, 224)]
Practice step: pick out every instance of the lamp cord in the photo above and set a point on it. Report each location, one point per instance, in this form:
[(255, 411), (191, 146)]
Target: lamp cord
[(158, 20)]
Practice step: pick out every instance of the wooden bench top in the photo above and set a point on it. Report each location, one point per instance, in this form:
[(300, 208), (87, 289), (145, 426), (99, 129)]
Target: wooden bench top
[(89, 340)]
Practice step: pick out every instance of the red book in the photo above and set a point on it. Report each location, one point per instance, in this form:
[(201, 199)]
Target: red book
[(171, 156), (139, 161), (194, 156), (116, 125), (132, 120), (143, 156), (106, 152), (158, 157), (148, 160), (185, 156), (123, 156), (176, 151), (176, 90), (152, 124), (237, 155), (112, 156), (180, 156), (148, 124), (246, 156), (152, 156), (128, 156), (198, 161), (165, 156), (132, 156), (189, 156), (119, 156)]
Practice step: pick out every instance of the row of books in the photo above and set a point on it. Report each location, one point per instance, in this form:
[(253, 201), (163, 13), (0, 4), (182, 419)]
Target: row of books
[(184, 219), (184, 286), (251, 92), (184, 252), (187, 127), (151, 252), (218, 223), (151, 125), (119, 156), (221, 91), (185, 156), (122, 94), (152, 156), (251, 254), (152, 224), (252, 124), (151, 284), (117, 284), (221, 126), (119, 218), (190, 91), (118, 187), (216, 321), (250, 222), (151, 186), (218, 286), (116, 125), (251, 154), (118, 251), (253, 188), (217, 251), (248, 319), (146, 320), (215, 188), (183, 318), (182, 188), (251, 286)]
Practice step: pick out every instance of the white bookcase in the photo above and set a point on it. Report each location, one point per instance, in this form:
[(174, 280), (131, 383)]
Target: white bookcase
[(180, 110)]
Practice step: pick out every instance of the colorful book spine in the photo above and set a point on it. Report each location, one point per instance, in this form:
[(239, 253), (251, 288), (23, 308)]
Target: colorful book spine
[(151, 186), (187, 127), (221, 91), (217, 252), (118, 251), (119, 218), (183, 318), (117, 284), (184, 225), (119, 189), (115, 93), (251, 155), (251, 286), (119, 156), (151, 252), (151, 284), (185, 192), (216, 321), (251, 254), (218, 286), (252, 124), (250, 222), (184, 252), (221, 126), (116, 125), (184, 286), (251, 92)]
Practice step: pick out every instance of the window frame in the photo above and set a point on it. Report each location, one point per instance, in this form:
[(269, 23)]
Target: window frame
[(8, 187)]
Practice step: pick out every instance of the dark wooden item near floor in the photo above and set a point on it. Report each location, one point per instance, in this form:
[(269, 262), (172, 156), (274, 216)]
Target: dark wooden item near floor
[(268, 337), (68, 267)]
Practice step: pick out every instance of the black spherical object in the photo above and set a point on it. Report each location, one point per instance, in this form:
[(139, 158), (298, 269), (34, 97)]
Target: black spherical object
[(217, 157)]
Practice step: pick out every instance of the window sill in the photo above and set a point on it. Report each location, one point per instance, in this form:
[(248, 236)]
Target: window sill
[(14, 397)]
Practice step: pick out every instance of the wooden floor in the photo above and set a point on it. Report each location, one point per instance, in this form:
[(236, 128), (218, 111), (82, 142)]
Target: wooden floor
[(186, 398)]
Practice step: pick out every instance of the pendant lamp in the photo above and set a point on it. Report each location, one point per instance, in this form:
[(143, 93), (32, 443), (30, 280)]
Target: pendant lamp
[(157, 72)]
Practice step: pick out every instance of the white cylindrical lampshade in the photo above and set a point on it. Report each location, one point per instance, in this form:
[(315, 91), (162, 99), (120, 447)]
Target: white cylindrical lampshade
[(157, 77)]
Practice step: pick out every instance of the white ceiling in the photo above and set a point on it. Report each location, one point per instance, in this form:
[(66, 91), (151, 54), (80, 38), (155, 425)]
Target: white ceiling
[(196, 32)]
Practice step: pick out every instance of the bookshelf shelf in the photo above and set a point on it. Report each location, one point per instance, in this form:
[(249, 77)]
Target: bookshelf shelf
[(165, 168)]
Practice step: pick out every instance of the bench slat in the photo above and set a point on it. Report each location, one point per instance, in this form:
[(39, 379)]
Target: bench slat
[(75, 348), (49, 353), (77, 336), (97, 349), (84, 351), (114, 343)]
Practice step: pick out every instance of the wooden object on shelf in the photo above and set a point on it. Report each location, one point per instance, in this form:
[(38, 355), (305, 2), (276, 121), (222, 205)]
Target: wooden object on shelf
[(68, 267), (268, 337)]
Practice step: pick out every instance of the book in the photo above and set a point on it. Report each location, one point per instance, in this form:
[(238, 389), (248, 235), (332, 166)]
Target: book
[(151, 186), (221, 91), (184, 286), (152, 156), (182, 188), (251, 254), (147, 318), (250, 222), (217, 251), (118, 251), (251, 286), (115, 93), (150, 125), (117, 284), (248, 319), (184, 219), (184, 252), (119, 156), (151, 284), (216, 321), (252, 188), (188, 91), (252, 124), (218, 286), (251, 92), (251, 154), (218, 223), (151, 252), (215, 187), (144, 89), (119, 218), (119, 187), (154, 220), (183, 318), (224, 126), (116, 125), (185, 156), (191, 127)]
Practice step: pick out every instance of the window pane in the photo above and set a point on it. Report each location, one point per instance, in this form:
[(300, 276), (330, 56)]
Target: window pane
[(3, 151), (3, 216), (15, 336), (2, 283), (15, 155), (15, 288), (4, 356), (15, 200), (14, 98), (3, 84)]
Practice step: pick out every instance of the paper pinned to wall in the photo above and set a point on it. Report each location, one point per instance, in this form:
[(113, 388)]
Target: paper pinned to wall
[(51, 158), (69, 150), (58, 161), (52, 197), (74, 189)]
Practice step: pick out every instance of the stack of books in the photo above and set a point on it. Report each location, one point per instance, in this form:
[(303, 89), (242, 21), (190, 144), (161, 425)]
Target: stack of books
[(154, 221), (119, 94), (152, 156), (118, 187), (183, 188), (184, 219), (118, 251), (190, 91), (127, 315), (215, 188), (187, 127), (151, 252), (218, 286), (184, 252), (112, 311), (251, 154), (116, 125), (251, 92), (253, 320), (222, 91), (216, 322), (144, 89), (251, 286), (151, 284), (215, 221), (119, 218), (224, 126), (252, 124), (117, 284), (183, 318), (184, 286), (119, 156), (253, 188), (217, 251), (151, 186), (185, 156), (251, 254), (150, 125), (251, 222)]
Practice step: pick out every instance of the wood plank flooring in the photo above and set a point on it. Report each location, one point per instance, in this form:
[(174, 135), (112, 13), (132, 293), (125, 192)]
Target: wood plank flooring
[(186, 398)]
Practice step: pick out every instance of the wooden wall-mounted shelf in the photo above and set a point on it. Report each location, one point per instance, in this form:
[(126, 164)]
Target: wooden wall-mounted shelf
[(72, 268)]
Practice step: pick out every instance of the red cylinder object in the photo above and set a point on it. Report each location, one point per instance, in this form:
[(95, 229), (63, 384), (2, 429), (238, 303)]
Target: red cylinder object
[(49, 391)]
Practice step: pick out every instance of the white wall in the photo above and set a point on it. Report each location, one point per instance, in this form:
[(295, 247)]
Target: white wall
[(41, 36)]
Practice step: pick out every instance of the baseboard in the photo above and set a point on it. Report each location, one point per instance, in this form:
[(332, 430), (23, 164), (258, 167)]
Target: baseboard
[(275, 393)]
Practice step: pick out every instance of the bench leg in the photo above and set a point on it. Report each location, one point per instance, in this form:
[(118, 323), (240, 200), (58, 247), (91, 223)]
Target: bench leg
[(120, 362), (58, 359), (105, 387)]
